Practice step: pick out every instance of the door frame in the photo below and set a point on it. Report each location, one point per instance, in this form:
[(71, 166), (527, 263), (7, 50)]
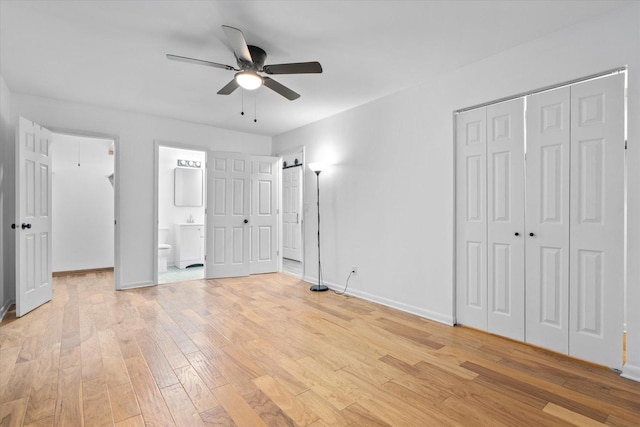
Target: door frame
[(117, 260), (293, 151), (157, 143)]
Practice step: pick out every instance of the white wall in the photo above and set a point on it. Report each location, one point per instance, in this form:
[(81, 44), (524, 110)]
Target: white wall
[(387, 203), (168, 213), (135, 135), (82, 203), (7, 291)]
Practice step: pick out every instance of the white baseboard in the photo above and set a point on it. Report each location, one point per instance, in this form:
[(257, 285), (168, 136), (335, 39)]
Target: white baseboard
[(5, 308), (631, 372), (418, 311), (137, 285)]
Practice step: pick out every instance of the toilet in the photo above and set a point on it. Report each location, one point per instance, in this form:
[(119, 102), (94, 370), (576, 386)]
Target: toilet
[(164, 249)]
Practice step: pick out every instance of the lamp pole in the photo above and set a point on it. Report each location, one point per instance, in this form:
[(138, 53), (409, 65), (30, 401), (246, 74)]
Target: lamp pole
[(319, 287)]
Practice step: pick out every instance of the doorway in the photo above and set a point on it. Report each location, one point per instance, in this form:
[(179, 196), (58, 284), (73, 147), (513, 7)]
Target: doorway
[(180, 208), (293, 213), (83, 200), (35, 212)]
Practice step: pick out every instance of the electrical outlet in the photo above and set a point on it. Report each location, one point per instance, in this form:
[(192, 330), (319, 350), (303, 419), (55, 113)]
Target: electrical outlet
[(354, 269)]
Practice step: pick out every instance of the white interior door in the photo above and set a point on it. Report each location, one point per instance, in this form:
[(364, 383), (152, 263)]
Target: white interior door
[(471, 219), (597, 220), (228, 236), (33, 216), (292, 213), (505, 219), (547, 258), (264, 216)]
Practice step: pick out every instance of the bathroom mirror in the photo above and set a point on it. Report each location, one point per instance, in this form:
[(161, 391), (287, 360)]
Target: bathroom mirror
[(188, 187)]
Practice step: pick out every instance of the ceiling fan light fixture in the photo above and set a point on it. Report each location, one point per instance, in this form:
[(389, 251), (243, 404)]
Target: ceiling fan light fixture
[(249, 80)]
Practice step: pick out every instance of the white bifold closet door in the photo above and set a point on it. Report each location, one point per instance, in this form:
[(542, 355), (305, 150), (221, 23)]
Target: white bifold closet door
[(547, 207), (505, 218), (597, 221), (540, 242), (471, 218)]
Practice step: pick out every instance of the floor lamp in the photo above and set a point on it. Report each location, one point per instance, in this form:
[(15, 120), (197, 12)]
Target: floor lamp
[(317, 168)]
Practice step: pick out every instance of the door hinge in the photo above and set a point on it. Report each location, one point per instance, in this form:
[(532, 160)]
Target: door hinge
[(625, 144), (115, 222)]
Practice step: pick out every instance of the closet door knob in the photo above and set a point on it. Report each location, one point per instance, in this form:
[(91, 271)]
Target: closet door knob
[(26, 226), (531, 234), (517, 234), (246, 221)]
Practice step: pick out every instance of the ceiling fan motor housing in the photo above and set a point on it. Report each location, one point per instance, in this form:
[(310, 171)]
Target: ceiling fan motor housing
[(258, 56)]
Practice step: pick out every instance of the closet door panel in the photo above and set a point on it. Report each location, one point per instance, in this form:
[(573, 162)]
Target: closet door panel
[(471, 221), (547, 212), (597, 221), (505, 218)]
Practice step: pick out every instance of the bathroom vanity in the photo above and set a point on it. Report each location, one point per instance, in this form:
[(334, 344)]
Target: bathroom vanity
[(189, 244)]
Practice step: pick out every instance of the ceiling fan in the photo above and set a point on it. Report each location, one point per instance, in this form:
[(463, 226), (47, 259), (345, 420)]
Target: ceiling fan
[(250, 60)]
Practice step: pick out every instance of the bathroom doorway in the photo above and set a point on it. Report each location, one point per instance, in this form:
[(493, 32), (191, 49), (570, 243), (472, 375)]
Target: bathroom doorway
[(180, 213), (293, 213)]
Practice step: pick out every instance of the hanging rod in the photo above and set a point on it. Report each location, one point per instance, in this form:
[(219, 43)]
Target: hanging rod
[(544, 89), (291, 166)]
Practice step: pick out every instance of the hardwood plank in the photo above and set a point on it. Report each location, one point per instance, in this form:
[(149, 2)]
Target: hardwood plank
[(12, 412), (264, 407), (180, 406), (155, 360), (124, 404), (19, 383), (152, 405), (43, 398), (206, 370), (136, 421), (8, 357), (291, 406), (198, 392), (217, 417), (69, 405), (570, 416), (97, 407), (240, 412)]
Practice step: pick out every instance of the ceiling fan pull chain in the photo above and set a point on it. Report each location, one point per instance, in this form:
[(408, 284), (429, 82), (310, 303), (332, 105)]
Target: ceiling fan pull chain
[(242, 102), (255, 108)]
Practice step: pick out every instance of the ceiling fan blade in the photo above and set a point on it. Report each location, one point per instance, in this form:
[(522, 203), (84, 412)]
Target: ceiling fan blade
[(229, 88), (200, 62), (293, 68), (280, 88), (238, 43)]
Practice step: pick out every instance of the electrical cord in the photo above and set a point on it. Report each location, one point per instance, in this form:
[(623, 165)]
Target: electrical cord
[(345, 286)]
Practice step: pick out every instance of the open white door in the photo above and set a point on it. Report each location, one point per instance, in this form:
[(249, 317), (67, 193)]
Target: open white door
[(33, 217), (264, 214), (228, 237), (292, 213)]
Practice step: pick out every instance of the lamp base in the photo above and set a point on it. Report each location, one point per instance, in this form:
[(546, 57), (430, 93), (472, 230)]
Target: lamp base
[(318, 288)]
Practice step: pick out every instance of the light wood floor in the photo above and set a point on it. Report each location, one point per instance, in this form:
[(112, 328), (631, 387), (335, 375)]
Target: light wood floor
[(266, 351)]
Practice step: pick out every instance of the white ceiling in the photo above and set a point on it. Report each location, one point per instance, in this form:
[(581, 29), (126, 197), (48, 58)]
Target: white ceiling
[(112, 53)]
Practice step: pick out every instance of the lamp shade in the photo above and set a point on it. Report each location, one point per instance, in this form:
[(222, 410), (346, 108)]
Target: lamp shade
[(317, 166), (248, 80)]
